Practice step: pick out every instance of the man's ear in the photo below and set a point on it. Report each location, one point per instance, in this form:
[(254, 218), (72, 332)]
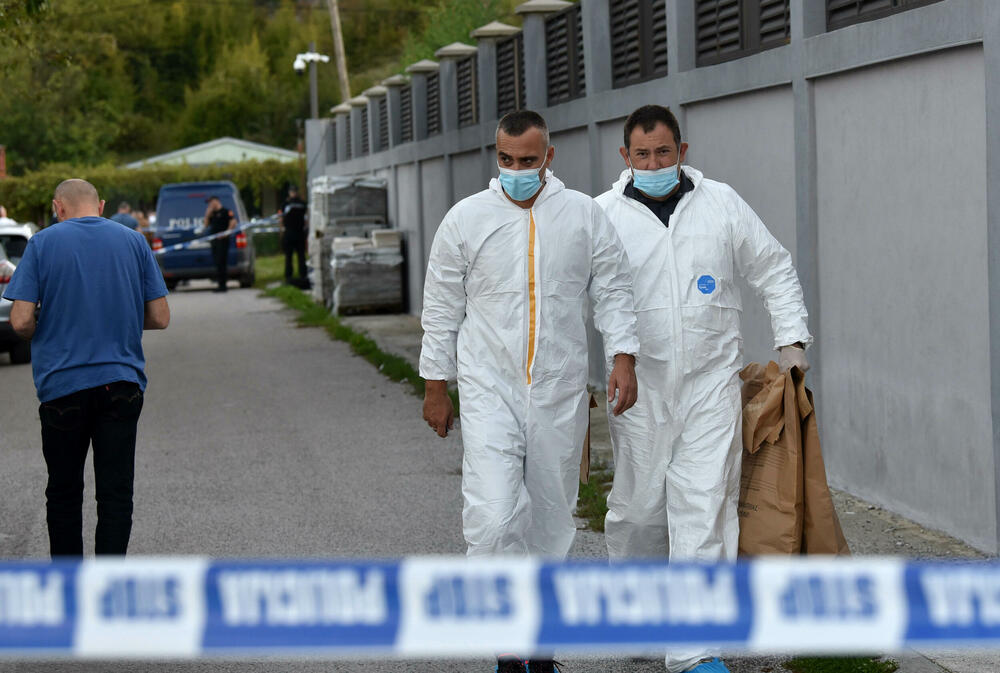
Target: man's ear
[(550, 155), (100, 207), (683, 154), (624, 152)]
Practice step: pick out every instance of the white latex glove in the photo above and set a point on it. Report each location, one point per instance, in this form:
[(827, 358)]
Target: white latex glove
[(792, 356)]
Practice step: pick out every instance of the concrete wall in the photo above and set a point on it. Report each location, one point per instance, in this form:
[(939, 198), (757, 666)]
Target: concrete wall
[(570, 146), (873, 154), (904, 292)]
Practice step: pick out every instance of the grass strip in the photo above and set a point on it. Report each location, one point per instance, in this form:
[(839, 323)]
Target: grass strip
[(841, 665), (268, 269), (592, 502)]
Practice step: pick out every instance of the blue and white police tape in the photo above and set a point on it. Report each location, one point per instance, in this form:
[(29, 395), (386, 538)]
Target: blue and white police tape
[(257, 229), (446, 607)]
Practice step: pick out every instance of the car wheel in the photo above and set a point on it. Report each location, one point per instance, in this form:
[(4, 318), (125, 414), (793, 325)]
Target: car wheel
[(247, 279), (21, 353), (171, 284)]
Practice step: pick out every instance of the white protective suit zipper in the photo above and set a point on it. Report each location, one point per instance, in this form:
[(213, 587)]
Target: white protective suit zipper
[(533, 300)]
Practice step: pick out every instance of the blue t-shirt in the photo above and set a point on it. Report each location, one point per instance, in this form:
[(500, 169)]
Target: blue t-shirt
[(92, 278), (126, 219)]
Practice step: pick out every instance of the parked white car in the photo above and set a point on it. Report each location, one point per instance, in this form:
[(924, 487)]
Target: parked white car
[(13, 240)]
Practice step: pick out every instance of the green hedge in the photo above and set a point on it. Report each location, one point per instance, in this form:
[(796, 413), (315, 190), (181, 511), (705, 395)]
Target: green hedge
[(29, 197), (267, 243)]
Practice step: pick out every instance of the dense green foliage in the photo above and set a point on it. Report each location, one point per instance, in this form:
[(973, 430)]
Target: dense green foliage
[(88, 82), (28, 197), (448, 21)]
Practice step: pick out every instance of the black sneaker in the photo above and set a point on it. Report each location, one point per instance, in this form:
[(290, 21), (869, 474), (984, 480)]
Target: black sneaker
[(510, 664), (542, 666)]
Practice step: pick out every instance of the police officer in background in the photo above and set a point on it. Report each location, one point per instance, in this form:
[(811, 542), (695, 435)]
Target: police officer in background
[(218, 220), (293, 234)]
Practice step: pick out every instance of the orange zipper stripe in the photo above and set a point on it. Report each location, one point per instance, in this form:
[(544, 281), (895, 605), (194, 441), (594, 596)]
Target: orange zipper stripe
[(531, 293)]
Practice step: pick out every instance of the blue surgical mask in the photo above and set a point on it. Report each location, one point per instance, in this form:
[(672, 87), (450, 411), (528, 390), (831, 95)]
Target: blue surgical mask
[(520, 185), (656, 183)]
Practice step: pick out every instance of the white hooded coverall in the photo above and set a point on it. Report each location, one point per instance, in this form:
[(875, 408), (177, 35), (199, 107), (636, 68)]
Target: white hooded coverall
[(677, 451), (505, 301)]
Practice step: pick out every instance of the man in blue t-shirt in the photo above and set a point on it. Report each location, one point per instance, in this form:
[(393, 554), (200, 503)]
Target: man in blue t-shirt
[(124, 216), (83, 292)]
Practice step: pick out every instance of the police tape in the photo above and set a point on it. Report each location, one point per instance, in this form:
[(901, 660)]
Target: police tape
[(446, 607), (257, 229)]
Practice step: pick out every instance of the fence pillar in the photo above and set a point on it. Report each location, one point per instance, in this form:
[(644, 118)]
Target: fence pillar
[(536, 85), (448, 81), (358, 103), (341, 113), (486, 38), (394, 107), (596, 45), (375, 95), (419, 72)]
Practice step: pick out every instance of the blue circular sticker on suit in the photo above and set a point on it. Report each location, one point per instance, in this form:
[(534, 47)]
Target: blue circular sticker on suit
[(706, 284)]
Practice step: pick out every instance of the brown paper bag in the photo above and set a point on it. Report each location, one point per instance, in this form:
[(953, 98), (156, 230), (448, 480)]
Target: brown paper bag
[(784, 505), (821, 533)]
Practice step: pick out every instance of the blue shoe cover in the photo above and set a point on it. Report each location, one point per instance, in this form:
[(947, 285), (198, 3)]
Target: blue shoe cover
[(713, 666)]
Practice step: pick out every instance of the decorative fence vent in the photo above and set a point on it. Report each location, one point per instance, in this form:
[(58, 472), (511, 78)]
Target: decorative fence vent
[(564, 55), (730, 29), (638, 40), (510, 74), (383, 123), (364, 130), (332, 141), (468, 91), (347, 129), (406, 114), (433, 104), (840, 13)]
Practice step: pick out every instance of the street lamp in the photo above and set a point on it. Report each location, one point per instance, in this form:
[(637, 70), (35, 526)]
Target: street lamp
[(310, 57)]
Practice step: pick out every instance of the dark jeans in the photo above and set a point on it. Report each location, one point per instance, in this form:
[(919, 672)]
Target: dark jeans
[(107, 416), (294, 243), (220, 253)]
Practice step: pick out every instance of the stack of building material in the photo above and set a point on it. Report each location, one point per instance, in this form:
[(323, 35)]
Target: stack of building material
[(340, 207), (367, 280)]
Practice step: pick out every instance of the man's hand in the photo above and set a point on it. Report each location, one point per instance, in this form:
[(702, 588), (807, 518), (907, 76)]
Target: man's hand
[(439, 412), (622, 381), (793, 356)]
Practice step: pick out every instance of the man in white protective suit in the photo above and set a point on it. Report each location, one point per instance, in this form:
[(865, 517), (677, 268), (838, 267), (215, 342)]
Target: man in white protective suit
[(505, 302), (677, 452)]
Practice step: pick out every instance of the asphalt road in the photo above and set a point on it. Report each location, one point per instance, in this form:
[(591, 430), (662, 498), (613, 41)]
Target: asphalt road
[(260, 439)]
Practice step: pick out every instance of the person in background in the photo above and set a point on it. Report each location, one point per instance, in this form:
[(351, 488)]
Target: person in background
[(293, 234), (124, 216), (218, 220), (144, 227), (96, 287), (4, 219), (677, 453)]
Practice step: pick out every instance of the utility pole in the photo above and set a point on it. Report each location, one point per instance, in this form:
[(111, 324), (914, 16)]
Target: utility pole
[(338, 49), (313, 88)]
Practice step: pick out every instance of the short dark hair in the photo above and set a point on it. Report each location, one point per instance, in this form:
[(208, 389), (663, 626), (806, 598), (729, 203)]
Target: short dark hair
[(647, 117), (517, 122)]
